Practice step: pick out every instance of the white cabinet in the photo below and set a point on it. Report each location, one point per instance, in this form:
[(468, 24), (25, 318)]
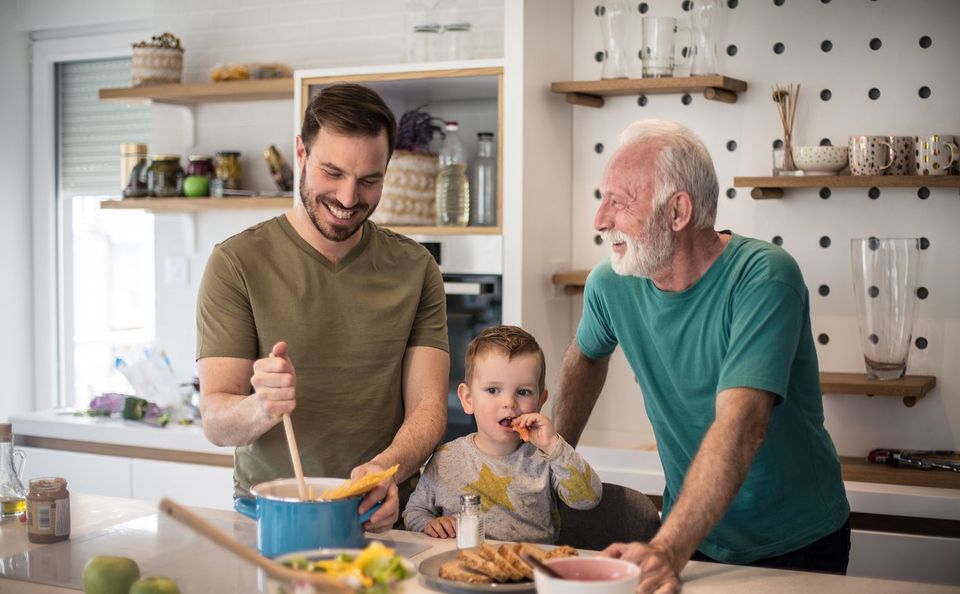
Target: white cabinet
[(908, 557), (188, 484), (85, 473)]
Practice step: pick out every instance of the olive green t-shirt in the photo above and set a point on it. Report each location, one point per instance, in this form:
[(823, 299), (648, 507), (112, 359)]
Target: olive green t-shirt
[(347, 326)]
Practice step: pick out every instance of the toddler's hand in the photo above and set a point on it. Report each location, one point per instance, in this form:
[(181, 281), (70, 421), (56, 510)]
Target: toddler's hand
[(542, 432), (442, 527)]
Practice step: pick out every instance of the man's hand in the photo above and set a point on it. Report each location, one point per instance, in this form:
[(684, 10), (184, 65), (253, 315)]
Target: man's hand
[(275, 383), (384, 518), (657, 574), (442, 527)]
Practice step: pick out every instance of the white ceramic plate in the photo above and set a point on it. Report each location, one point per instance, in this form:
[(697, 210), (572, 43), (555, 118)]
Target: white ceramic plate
[(430, 570)]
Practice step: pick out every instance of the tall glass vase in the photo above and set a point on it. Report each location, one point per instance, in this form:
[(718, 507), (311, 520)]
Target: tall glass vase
[(885, 276), (614, 16)]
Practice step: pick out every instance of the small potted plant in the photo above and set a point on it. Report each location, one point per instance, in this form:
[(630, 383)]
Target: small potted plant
[(158, 61), (408, 187)]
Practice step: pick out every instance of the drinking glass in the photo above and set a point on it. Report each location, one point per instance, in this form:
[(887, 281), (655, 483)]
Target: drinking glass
[(613, 23), (885, 273), (660, 46)]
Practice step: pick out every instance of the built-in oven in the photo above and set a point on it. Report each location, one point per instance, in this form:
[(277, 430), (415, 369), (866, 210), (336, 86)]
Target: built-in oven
[(472, 276)]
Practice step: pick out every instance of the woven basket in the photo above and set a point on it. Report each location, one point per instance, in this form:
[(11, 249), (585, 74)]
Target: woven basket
[(156, 65), (408, 190)]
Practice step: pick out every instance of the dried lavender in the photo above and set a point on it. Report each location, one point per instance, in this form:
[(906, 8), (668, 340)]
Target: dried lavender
[(416, 131)]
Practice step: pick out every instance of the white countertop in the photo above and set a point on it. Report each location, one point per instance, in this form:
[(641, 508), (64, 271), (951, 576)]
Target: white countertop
[(96, 517), (634, 468)]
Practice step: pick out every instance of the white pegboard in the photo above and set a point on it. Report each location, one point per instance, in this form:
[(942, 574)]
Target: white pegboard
[(898, 69)]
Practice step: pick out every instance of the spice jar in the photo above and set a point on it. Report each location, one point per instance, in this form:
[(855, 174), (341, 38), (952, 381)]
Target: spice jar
[(133, 165), (200, 165), (469, 522), (48, 510), (164, 176), (227, 165)]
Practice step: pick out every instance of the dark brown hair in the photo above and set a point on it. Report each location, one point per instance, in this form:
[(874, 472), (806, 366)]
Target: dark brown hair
[(508, 340), (350, 109)]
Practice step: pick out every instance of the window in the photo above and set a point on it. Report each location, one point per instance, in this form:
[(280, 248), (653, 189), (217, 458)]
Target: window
[(106, 256)]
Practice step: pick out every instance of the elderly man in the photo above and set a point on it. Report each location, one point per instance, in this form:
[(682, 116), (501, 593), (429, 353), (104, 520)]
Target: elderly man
[(716, 328)]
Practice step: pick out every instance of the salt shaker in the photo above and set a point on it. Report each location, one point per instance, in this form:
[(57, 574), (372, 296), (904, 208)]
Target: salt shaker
[(469, 522)]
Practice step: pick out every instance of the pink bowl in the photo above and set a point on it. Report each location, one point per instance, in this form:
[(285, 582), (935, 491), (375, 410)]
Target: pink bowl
[(597, 575)]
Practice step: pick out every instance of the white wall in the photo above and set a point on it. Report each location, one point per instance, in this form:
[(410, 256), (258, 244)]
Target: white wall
[(898, 69), (16, 313)]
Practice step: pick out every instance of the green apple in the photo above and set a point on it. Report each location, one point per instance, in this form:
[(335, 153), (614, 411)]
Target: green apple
[(154, 584), (104, 574), (196, 185)]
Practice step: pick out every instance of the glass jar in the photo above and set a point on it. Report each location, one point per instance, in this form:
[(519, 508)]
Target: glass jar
[(13, 497), (133, 164), (469, 522), (227, 166), (48, 510), (164, 176), (200, 165)]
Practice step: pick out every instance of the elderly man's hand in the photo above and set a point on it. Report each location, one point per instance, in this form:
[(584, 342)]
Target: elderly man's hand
[(657, 575), (384, 518)]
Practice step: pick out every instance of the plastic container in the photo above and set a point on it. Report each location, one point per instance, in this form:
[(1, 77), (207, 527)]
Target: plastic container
[(453, 189)]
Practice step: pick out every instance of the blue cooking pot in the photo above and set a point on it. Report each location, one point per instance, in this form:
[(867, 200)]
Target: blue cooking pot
[(286, 523)]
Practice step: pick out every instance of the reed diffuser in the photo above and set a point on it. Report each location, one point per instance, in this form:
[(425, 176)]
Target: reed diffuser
[(786, 99)]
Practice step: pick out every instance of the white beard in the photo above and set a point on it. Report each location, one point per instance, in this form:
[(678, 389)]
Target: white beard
[(646, 255)]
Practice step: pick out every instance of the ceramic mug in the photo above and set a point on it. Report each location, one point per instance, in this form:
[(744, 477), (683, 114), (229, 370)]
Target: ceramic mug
[(936, 153), (870, 155), (904, 160)]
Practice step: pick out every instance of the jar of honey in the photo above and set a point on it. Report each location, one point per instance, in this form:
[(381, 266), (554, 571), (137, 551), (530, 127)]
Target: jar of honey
[(48, 510)]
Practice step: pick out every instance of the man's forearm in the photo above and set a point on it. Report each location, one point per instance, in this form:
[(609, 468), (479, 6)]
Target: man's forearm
[(713, 479), (233, 420), (421, 432), (581, 380)]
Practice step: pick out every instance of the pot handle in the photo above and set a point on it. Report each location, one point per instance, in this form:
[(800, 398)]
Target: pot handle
[(246, 506), (366, 515)]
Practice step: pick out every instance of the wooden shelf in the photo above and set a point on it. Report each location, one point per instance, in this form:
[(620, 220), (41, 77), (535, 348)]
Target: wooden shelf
[(214, 92), (858, 469), (571, 281), (773, 186), (590, 93), (443, 230), (195, 204), (911, 387)]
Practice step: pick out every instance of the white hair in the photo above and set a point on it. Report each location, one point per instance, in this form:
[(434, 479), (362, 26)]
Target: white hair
[(683, 164)]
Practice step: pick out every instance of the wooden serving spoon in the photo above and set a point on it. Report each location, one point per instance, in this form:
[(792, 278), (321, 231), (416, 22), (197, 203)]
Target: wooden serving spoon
[(319, 581), (292, 440)]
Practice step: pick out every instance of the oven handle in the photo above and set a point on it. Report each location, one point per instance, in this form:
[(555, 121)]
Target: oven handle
[(457, 288)]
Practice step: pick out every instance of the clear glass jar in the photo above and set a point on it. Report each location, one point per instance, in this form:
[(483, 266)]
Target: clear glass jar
[(13, 496), (227, 166), (48, 510), (164, 176), (200, 165), (483, 183), (469, 522), (456, 42), (133, 164)]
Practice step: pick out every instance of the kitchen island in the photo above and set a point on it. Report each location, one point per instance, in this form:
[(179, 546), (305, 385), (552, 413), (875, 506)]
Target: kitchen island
[(133, 528)]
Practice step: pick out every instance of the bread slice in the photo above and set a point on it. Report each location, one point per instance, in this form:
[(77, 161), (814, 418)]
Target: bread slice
[(493, 555), (562, 551), (474, 560), (455, 571), (532, 550), (519, 564)]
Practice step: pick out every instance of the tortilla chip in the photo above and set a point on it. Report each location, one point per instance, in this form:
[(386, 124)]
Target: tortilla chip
[(360, 486), (523, 431)]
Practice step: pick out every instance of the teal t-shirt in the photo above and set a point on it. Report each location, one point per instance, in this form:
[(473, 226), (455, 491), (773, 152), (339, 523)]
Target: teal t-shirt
[(745, 323)]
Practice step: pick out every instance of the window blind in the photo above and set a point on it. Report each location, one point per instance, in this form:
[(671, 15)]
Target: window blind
[(91, 131)]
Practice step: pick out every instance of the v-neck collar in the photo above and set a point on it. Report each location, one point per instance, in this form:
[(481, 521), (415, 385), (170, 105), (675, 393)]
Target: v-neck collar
[(368, 230)]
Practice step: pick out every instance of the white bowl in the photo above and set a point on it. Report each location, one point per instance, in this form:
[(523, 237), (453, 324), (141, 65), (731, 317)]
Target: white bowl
[(596, 575), (820, 160)]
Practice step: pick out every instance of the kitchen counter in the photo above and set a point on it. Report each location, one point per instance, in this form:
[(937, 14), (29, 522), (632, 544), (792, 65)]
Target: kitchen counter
[(196, 562)]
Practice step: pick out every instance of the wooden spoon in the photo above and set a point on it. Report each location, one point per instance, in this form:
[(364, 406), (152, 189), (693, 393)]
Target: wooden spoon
[(291, 439), (541, 566), (319, 581)]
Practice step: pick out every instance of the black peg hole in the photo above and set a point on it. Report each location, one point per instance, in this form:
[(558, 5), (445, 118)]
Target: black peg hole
[(732, 3), (825, 1), (873, 291), (686, 5), (823, 339), (824, 290), (923, 193), (597, 194), (600, 10), (922, 293), (598, 148), (825, 241), (921, 342), (778, 48), (873, 193), (825, 95), (731, 50), (778, 143), (825, 142), (824, 193), (643, 8), (874, 244), (924, 243), (875, 43), (731, 193), (642, 101), (598, 56), (597, 239), (826, 46), (777, 240), (686, 99), (874, 93), (731, 145), (924, 92), (926, 42), (778, 2), (874, 338)]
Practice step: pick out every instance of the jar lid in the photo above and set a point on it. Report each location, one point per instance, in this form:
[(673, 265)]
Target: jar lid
[(166, 157), (469, 500), (484, 135), (426, 28), (457, 27), (199, 158), (228, 153), (48, 483), (133, 147)]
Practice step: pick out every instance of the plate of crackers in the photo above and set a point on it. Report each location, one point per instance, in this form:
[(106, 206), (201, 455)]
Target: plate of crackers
[(488, 568)]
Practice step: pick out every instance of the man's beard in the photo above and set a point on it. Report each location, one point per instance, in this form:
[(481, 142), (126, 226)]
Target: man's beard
[(648, 254), (332, 232)]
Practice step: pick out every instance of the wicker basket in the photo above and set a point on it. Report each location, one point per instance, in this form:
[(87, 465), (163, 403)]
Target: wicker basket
[(156, 65), (408, 190)]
